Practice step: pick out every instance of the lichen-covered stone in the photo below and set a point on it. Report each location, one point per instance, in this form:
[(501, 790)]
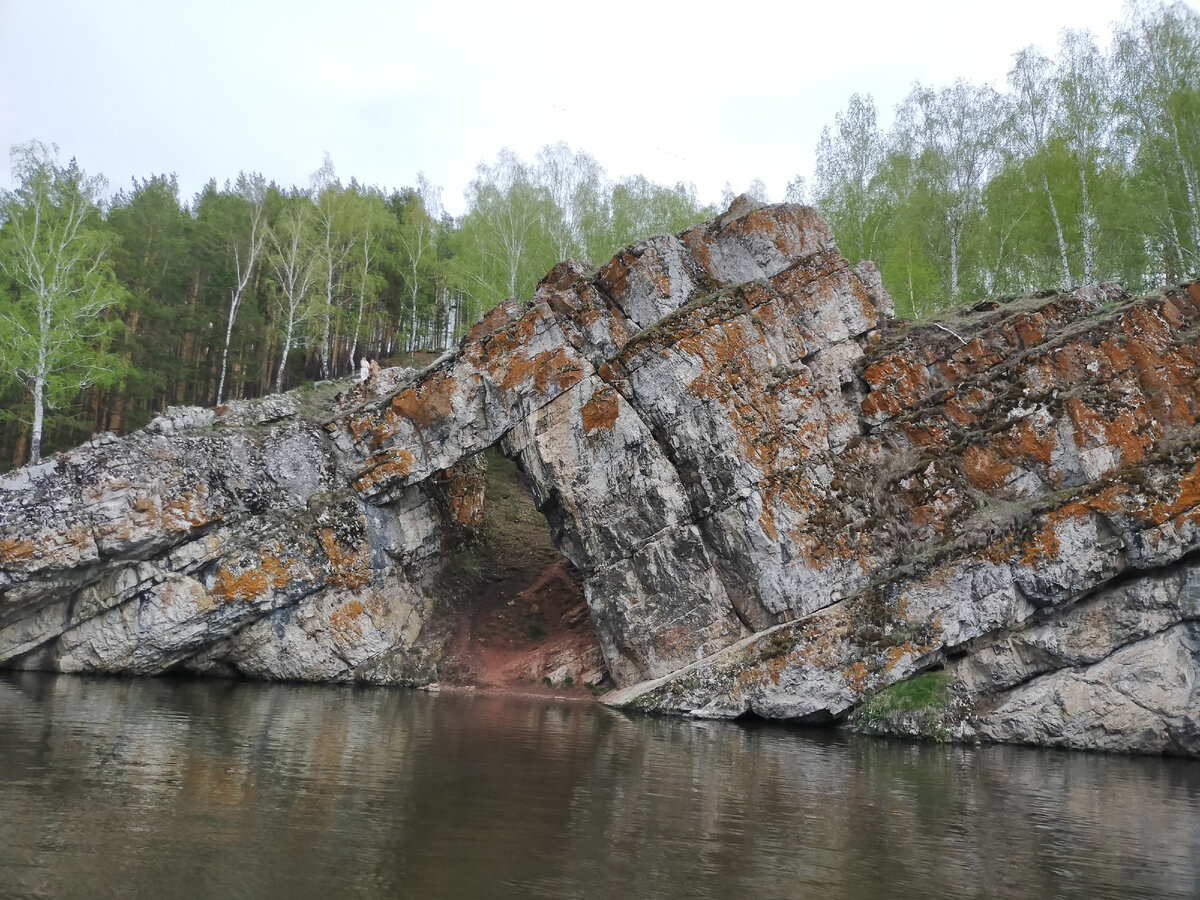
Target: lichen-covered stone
[(781, 499)]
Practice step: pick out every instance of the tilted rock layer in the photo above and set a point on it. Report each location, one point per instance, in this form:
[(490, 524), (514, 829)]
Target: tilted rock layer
[(782, 503)]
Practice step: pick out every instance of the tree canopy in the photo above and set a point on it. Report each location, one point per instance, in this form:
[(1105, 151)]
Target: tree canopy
[(1084, 169)]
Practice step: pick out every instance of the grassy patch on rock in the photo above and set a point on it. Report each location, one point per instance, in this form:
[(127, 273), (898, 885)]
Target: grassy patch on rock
[(923, 706)]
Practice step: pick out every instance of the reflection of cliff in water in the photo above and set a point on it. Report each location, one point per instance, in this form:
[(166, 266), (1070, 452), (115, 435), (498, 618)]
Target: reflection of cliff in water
[(169, 788)]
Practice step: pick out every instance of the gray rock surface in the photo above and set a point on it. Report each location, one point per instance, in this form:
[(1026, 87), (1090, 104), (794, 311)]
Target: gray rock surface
[(782, 502)]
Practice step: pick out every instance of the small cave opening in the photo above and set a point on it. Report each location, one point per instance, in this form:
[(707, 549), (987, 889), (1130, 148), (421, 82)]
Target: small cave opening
[(515, 615), (820, 721)]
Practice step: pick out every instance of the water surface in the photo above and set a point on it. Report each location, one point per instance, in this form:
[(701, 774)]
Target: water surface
[(162, 789)]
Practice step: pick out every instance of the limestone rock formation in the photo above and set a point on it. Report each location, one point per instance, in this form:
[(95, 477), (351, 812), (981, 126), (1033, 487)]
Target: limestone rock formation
[(783, 502), (1023, 507)]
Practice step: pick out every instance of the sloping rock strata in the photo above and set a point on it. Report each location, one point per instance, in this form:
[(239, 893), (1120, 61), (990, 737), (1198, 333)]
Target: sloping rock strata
[(782, 501)]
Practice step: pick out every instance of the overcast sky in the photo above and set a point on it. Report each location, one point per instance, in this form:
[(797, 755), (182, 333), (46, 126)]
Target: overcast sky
[(699, 92)]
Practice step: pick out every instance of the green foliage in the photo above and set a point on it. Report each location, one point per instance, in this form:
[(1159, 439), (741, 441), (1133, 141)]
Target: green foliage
[(1086, 171), (640, 208), (57, 323), (250, 288), (926, 699), (927, 691)]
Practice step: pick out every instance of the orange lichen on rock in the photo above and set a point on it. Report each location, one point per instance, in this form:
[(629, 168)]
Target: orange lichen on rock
[(271, 572), (1030, 329), (428, 401), (498, 318), (1185, 506), (856, 676), (931, 508), (734, 376), (789, 494), (13, 550), (931, 433), (345, 620), (351, 566), (894, 654), (247, 586), (974, 357), (985, 470), (464, 488), (1001, 550), (1131, 431), (519, 373), (1044, 545), (1024, 441), (614, 275), (898, 382), (962, 409), (600, 412), (391, 464), (1110, 499), (187, 511), (276, 570), (359, 426)]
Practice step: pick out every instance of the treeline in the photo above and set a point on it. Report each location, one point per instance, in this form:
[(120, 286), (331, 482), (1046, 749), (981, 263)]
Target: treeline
[(112, 309), (1083, 171)]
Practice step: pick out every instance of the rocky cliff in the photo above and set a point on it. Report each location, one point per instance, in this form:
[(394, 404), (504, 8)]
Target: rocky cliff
[(782, 501)]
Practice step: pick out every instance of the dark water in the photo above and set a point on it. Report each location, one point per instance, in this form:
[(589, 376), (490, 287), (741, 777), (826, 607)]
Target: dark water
[(154, 789)]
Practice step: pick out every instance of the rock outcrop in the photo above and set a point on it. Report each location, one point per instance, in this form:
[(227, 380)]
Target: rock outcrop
[(782, 501)]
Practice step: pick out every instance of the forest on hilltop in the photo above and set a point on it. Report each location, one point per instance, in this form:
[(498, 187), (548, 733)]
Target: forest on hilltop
[(112, 307)]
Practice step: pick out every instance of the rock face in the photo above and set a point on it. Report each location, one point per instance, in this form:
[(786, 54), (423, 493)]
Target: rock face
[(782, 502)]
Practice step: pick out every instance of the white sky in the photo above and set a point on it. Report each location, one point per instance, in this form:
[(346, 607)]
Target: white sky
[(698, 91)]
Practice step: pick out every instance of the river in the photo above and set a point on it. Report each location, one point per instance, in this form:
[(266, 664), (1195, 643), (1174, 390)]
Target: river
[(173, 788)]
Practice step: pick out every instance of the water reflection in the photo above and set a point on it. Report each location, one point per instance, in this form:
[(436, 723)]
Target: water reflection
[(151, 788)]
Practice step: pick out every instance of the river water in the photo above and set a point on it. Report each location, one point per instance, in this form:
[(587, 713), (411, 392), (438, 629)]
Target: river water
[(162, 789)]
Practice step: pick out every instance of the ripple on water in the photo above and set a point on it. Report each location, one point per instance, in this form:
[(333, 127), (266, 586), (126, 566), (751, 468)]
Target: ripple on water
[(161, 788)]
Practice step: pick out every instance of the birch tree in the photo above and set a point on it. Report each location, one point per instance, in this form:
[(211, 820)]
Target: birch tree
[(846, 188), (1031, 114), (1084, 119), (1157, 59), (951, 135), (332, 248), (246, 248), (54, 329), (641, 208), (507, 215), (574, 182), (418, 231), (295, 267), (370, 222)]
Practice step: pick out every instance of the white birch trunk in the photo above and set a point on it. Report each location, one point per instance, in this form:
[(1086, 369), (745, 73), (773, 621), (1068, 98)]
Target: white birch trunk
[(953, 263), (257, 238), (1085, 227), (362, 294), (1058, 231), (287, 345), (233, 308), (412, 326), (1188, 186), (35, 436)]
